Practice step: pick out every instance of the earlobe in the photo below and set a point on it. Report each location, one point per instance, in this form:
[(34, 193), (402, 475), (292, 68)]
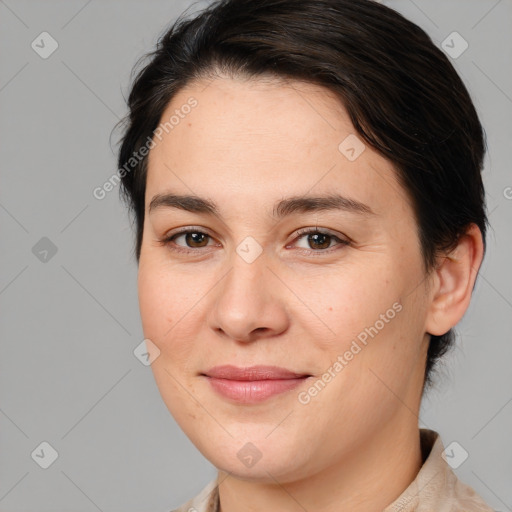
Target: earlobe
[(455, 277)]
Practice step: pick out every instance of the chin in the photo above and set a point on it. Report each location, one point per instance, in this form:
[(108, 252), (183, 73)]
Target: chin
[(266, 470), (262, 460)]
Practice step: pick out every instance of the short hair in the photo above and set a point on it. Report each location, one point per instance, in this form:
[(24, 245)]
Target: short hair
[(402, 94)]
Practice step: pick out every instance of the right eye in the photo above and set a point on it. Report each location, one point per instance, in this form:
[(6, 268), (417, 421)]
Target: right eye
[(194, 239)]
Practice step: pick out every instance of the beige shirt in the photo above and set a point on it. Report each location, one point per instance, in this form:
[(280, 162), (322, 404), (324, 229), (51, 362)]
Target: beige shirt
[(435, 488)]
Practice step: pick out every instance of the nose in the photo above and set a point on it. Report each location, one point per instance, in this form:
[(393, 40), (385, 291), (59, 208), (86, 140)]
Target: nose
[(249, 303)]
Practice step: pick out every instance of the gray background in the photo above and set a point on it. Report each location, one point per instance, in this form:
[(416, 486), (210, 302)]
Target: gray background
[(69, 325)]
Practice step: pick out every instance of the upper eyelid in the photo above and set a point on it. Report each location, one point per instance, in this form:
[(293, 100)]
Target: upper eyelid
[(325, 231), (301, 231)]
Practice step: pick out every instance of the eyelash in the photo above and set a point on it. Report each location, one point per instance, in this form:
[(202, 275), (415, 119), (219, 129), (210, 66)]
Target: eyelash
[(168, 241)]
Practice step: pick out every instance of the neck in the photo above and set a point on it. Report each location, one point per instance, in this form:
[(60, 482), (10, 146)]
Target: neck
[(368, 479)]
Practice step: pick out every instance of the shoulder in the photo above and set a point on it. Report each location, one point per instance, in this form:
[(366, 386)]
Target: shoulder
[(436, 486)]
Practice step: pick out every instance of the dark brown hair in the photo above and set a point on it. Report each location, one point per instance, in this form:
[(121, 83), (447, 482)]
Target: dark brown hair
[(403, 95)]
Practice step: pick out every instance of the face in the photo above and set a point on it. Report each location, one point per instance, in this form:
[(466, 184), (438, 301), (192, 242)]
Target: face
[(330, 294)]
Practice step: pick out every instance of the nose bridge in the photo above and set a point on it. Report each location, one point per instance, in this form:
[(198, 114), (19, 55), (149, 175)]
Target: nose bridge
[(245, 281), (248, 263)]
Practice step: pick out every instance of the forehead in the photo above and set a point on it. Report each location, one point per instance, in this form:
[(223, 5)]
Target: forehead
[(244, 139)]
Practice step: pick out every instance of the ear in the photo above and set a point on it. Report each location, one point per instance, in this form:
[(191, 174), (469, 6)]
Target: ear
[(453, 282)]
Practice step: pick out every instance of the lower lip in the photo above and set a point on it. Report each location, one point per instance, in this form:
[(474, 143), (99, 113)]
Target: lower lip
[(253, 391)]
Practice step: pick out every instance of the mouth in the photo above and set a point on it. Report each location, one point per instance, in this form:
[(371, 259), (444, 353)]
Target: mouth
[(252, 384)]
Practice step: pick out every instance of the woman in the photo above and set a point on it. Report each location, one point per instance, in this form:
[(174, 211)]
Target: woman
[(306, 184)]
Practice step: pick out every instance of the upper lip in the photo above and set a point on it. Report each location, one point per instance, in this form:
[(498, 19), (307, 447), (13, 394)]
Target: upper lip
[(252, 373)]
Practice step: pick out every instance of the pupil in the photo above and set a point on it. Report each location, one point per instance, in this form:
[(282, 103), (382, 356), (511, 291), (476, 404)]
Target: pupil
[(315, 236), (194, 238)]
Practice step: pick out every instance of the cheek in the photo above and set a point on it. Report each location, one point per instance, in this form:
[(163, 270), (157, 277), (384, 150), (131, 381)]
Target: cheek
[(173, 303), (386, 357), (165, 307), (349, 302), (164, 320), (152, 302), (373, 323)]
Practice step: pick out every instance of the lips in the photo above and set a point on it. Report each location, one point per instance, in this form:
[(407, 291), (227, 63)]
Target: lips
[(252, 384)]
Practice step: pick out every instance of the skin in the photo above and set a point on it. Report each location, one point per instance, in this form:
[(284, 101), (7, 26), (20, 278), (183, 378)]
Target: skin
[(298, 305)]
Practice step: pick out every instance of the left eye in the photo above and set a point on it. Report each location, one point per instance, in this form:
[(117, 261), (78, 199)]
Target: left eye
[(319, 240)]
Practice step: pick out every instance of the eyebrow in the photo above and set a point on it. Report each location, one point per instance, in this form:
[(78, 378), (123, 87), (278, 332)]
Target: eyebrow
[(283, 208)]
